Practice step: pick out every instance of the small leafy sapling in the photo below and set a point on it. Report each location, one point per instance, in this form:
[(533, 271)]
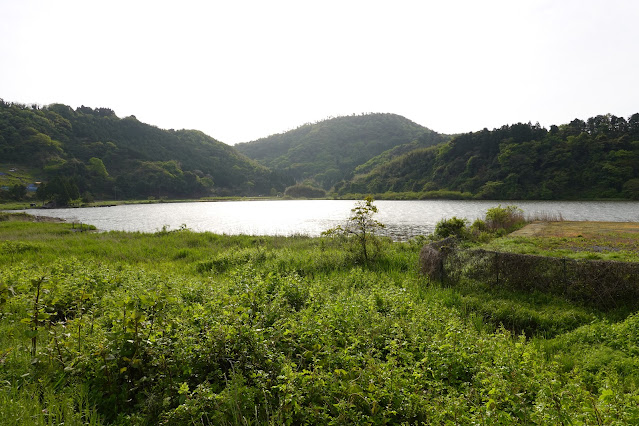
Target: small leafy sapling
[(37, 313), (82, 297), (361, 230)]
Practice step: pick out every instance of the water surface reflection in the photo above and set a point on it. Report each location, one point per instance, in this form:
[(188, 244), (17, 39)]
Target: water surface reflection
[(403, 219)]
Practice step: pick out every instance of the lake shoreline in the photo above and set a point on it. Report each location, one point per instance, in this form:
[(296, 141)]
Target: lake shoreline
[(378, 197), (404, 219)]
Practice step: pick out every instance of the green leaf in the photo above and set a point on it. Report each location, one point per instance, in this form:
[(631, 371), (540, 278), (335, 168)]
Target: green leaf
[(30, 333)]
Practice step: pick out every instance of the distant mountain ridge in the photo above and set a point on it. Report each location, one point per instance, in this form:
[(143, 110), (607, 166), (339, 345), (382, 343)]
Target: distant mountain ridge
[(104, 155), (385, 155), (329, 151)]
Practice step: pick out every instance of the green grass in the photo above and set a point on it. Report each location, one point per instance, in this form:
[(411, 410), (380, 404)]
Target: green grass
[(568, 247), (20, 175), (533, 314), (181, 328), (618, 241), (15, 205)]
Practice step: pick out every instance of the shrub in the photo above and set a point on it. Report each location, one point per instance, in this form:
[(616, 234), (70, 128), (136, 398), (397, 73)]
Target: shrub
[(304, 191), (478, 226), (87, 197), (453, 227), (508, 218)]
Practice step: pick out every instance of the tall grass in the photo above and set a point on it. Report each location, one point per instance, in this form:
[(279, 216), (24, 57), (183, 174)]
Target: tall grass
[(43, 404), (544, 217)]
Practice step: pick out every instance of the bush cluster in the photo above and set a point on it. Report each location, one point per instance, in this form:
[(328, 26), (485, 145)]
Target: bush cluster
[(498, 221), (304, 191)]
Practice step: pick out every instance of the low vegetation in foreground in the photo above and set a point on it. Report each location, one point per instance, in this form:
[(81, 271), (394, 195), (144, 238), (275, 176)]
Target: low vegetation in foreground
[(180, 328)]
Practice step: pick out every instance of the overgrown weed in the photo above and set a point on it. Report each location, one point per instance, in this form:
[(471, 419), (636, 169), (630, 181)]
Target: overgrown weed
[(290, 331)]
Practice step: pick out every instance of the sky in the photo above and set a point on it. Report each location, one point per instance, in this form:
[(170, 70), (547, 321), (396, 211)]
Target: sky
[(242, 70)]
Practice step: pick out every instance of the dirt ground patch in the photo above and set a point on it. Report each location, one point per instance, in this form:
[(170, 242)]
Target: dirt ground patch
[(587, 240), (622, 230), (24, 217)]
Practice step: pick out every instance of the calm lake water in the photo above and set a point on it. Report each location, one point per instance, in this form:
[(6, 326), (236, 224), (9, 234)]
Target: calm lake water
[(403, 219)]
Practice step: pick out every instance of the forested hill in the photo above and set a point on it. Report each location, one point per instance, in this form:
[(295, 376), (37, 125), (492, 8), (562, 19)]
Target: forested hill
[(329, 151), (596, 158), (107, 156)]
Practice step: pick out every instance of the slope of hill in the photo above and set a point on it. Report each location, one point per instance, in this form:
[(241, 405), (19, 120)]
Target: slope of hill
[(597, 158), (329, 151), (109, 156)]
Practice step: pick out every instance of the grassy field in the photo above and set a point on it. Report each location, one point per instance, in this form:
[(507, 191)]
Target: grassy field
[(12, 175), (575, 240), (180, 328)]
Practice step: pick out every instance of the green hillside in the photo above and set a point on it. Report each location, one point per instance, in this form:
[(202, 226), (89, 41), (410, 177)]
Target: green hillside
[(597, 158), (92, 153), (108, 156), (329, 151)]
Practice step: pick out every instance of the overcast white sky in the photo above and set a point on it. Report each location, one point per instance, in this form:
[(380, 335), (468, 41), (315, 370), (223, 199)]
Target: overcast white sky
[(241, 70)]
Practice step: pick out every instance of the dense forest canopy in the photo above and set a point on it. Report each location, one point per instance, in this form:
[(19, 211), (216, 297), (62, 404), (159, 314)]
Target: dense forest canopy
[(596, 158), (108, 157), (92, 153), (329, 151)]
